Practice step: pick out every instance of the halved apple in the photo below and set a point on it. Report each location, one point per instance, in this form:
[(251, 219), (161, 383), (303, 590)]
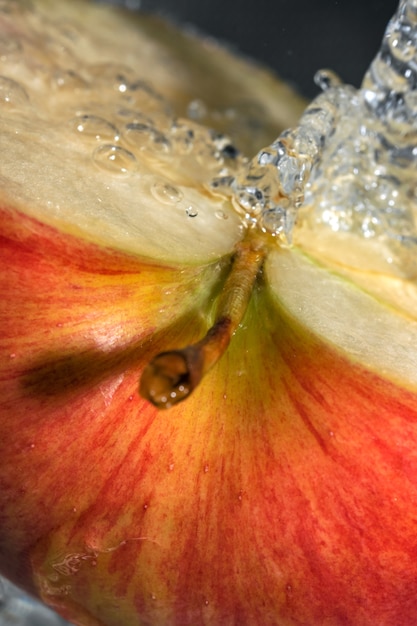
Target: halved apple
[(283, 490)]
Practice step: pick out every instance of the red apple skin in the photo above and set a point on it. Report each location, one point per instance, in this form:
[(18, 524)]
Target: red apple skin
[(283, 492)]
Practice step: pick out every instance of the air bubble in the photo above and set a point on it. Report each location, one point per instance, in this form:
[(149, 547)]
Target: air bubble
[(143, 135), (166, 193), (411, 11), (134, 116), (209, 158), (114, 76), (273, 220), (68, 80), (327, 79), (139, 134), (92, 126), (191, 211), (196, 110), (182, 137), (142, 95), (114, 159), (401, 46), (12, 93)]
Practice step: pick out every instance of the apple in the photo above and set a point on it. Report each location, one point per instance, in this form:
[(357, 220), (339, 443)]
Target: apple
[(279, 488)]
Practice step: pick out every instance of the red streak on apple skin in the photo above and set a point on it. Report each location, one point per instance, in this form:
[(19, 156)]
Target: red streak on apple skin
[(283, 492)]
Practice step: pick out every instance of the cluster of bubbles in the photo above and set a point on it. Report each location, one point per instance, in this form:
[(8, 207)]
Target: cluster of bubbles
[(271, 189), (350, 164), (144, 129), (125, 124), (366, 180)]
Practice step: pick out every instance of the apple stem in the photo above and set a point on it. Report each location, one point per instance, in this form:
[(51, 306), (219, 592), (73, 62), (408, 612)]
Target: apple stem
[(171, 376)]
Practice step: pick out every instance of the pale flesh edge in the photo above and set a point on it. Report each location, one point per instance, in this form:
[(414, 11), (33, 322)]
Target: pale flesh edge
[(47, 169)]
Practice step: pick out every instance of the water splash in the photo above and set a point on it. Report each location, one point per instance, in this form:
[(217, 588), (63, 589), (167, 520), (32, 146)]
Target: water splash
[(350, 164)]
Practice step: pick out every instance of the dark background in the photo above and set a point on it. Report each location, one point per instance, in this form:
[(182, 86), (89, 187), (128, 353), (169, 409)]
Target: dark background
[(294, 37)]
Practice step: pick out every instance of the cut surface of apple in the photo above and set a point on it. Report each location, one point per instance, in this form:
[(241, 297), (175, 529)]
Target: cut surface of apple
[(106, 99), (133, 217)]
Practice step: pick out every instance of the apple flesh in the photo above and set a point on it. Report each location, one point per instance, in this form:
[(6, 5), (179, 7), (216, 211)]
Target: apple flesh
[(282, 492)]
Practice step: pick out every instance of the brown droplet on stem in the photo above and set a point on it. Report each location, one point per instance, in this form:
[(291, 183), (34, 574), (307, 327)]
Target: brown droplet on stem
[(171, 376)]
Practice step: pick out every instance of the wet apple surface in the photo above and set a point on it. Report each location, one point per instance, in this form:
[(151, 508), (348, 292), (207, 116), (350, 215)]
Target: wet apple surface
[(134, 221)]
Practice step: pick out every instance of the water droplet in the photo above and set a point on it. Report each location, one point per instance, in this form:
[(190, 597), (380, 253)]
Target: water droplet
[(191, 211), (139, 134), (171, 467), (153, 596), (166, 193), (209, 157), (95, 127), (114, 159), (134, 116), (206, 468), (12, 355), (142, 95), (12, 93), (221, 215), (326, 79), (145, 506), (230, 152), (144, 135), (160, 143), (182, 137), (206, 602), (115, 76), (196, 110), (68, 80), (273, 220)]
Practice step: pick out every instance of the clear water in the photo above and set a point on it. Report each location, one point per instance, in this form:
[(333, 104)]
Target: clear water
[(350, 165)]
